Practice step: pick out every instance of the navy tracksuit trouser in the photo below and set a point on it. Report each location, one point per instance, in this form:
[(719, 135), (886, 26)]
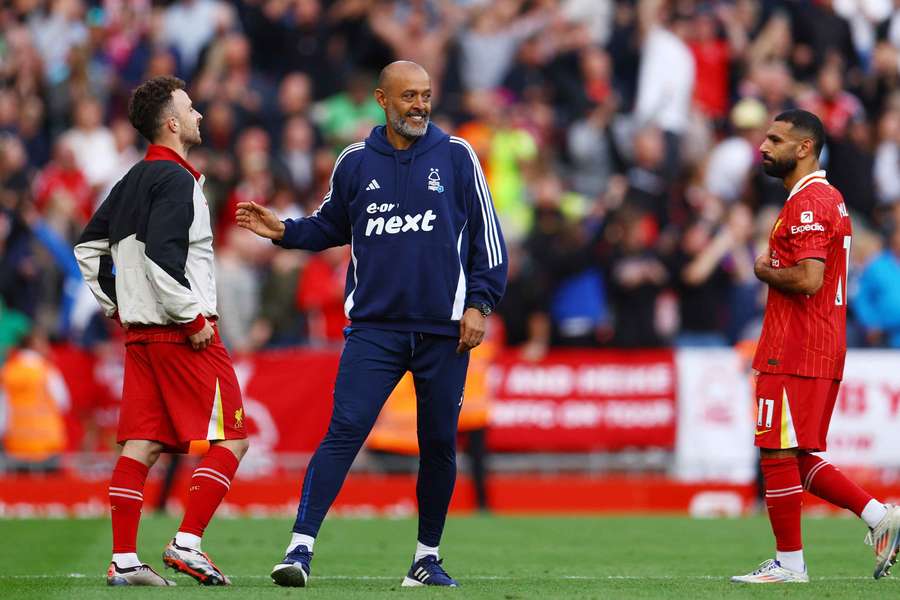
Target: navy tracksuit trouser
[(372, 363)]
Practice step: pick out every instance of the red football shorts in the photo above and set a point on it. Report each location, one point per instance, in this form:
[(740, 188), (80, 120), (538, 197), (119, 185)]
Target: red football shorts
[(794, 412), (174, 394)]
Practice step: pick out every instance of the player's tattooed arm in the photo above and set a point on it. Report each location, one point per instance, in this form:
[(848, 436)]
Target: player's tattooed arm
[(803, 278)]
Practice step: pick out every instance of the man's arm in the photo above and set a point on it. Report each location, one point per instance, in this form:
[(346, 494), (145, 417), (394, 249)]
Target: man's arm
[(487, 260), (95, 261), (327, 227), (805, 277)]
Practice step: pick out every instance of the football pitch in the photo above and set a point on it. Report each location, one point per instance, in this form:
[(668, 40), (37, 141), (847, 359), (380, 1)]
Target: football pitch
[(492, 557)]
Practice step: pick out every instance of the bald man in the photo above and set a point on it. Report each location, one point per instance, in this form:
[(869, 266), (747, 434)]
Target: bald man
[(429, 266)]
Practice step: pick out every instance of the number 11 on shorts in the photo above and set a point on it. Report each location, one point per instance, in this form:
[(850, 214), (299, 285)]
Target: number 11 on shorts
[(765, 408)]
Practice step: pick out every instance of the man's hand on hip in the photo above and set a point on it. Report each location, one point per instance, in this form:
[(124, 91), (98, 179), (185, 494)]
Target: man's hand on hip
[(204, 337), (471, 330), (260, 220)]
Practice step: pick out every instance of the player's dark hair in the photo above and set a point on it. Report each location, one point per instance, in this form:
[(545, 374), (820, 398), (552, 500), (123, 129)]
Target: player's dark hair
[(149, 103), (808, 124)]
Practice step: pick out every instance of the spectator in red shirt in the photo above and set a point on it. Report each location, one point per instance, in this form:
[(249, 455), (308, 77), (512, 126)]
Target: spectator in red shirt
[(320, 293), (62, 185)]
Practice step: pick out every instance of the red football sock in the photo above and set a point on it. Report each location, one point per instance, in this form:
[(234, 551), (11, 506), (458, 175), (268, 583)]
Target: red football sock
[(209, 483), (824, 480), (784, 498), (126, 497)]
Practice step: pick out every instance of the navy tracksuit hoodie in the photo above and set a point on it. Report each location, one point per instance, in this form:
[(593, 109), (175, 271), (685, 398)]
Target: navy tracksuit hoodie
[(424, 236)]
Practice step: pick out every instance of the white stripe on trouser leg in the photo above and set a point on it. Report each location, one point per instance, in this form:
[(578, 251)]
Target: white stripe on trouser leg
[(129, 496), (216, 479), (812, 473), (113, 488), (783, 494), (793, 488), (213, 473)]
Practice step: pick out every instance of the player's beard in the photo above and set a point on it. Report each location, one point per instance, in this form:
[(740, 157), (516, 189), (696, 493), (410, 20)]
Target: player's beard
[(779, 168), (404, 127), (191, 137)]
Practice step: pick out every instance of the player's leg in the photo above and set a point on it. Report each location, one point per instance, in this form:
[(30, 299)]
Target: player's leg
[(141, 416), (777, 438), (203, 399), (372, 363), (440, 376), (827, 482)]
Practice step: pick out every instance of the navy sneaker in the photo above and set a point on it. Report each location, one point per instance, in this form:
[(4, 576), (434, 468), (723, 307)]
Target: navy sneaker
[(428, 571), (293, 571)]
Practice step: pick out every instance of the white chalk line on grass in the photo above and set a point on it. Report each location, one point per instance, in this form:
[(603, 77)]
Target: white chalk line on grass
[(472, 578)]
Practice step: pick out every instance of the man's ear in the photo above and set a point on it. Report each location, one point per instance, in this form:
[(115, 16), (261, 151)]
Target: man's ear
[(380, 98), (806, 148)]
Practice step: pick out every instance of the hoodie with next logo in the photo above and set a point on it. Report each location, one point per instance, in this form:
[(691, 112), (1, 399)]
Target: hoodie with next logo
[(425, 239)]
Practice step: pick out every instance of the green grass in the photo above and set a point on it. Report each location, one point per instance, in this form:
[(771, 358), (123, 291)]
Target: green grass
[(505, 558)]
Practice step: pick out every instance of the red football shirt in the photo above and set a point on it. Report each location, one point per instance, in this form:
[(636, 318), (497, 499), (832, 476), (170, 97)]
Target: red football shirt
[(807, 335)]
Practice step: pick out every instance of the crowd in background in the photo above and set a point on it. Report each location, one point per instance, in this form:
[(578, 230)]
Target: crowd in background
[(619, 139)]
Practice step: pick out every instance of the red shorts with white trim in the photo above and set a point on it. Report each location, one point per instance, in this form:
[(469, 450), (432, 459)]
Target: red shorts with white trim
[(793, 411), (174, 394)]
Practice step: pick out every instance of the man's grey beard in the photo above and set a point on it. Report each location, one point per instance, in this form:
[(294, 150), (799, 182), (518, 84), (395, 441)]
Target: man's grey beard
[(406, 129)]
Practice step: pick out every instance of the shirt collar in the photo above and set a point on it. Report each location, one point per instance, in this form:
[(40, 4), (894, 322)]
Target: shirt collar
[(158, 152), (814, 177)]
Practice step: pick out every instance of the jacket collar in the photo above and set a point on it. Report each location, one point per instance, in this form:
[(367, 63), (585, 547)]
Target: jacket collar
[(158, 152)]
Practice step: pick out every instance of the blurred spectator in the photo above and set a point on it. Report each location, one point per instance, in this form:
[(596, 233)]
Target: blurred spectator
[(320, 294), (62, 193), (732, 160), (413, 39), (349, 116), (591, 152), (127, 154), (18, 269), (490, 41), (33, 399), (237, 289), (877, 300), (887, 158), (666, 78), (93, 143), (189, 26), (295, 154), (636, 278), (56, 30), (702, 269)]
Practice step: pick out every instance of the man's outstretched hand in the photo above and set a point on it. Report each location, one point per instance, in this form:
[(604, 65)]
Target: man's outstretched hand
[(260, 220)]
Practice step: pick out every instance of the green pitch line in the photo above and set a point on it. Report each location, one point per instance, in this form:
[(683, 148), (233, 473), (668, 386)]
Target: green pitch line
[(506, 558)]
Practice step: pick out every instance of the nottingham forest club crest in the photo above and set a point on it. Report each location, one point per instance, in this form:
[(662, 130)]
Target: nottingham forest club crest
[(434, 182)]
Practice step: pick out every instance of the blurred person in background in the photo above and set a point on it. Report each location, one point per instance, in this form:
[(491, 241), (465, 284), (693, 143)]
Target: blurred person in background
[(702, 272), (237, 289), (320, 295), (876, 303), (666, 79), (33, 399), (636, 276), (733, 160), (887, 158)]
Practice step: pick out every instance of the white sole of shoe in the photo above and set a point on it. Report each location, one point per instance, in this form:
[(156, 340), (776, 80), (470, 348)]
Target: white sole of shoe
[(289, 576), (882, 570), (410, 582)]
